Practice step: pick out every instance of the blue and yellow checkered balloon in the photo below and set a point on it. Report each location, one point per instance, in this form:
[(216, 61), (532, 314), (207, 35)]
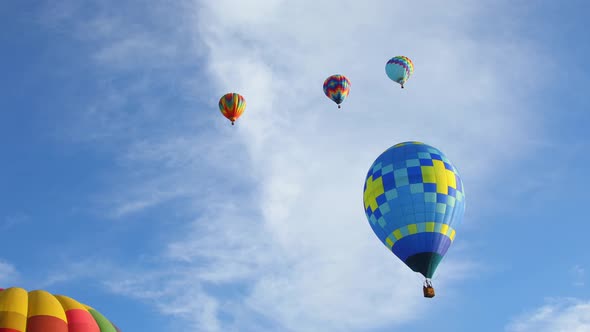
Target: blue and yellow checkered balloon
[(413, 198)]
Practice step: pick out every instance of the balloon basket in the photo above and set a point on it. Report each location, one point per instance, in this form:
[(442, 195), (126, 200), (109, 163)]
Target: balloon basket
[(428, 291)]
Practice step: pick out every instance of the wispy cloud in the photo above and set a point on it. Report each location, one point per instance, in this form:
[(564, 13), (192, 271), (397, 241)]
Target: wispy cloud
[(579, 275), (277, 229), (559, 315), (8, 274), (13, 220)]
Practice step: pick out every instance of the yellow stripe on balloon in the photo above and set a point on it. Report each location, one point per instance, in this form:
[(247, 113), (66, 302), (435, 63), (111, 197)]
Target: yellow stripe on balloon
[(68, 303), (429, 227), (389, 242), (43, 303)]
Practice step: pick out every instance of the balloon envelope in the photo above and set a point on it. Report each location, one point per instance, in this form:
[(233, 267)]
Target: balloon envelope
[(399, 69), (337, 87), (40, 311), (413, 198), (232, 105)]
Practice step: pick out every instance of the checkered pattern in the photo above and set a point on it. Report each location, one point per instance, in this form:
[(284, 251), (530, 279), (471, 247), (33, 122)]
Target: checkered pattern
[(413, 188)]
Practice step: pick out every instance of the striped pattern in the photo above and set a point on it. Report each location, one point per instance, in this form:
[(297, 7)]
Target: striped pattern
[(232, 105), (337, 87), (399, 69), (413, 197), (40, 311), (423, 227)]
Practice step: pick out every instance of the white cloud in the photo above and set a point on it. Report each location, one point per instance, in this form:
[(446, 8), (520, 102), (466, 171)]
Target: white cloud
[(279, 231), (313, 158), (562, 315), (8, 274)]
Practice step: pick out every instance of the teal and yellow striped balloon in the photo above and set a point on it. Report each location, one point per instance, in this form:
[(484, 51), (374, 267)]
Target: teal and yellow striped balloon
[(413, 198), (399, 69)]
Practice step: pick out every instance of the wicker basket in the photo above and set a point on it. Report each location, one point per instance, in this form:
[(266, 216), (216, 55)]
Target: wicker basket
[(428, 291)]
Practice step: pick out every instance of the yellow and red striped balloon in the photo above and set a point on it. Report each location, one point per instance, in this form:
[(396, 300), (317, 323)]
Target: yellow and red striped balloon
[(232, 105), (40, 311)]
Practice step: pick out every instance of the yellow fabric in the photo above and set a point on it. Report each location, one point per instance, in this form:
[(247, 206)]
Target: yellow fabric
[(13, 308), (374, 189), (389, 242), (441, 177), (13, 320), (43, 303), (428, 174), (68, 303), (15, 300), (451, 179), (429, 227)]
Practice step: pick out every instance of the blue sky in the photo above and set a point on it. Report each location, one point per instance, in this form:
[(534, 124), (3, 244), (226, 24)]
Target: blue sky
[(125, 188)]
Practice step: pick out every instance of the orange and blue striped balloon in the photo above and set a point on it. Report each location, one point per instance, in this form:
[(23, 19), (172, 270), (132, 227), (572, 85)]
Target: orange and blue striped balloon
[(232, 105), (337, 87), (40, 311)]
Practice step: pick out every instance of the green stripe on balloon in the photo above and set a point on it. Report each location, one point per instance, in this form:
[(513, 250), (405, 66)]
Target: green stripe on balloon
[(104, 324)]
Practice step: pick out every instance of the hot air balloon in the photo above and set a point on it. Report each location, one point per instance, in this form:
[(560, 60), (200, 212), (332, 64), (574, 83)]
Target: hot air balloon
[(413, 198), (40, 311), (399, 69), (232, 105), (337, 87)]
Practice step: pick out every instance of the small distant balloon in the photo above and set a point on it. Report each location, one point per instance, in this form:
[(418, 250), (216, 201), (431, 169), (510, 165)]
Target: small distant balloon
[(399, 69), (232, 105), (337, 87)]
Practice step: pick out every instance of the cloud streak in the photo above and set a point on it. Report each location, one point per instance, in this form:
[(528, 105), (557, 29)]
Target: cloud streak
[(8, 274), (559, 315), (579, 275)]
